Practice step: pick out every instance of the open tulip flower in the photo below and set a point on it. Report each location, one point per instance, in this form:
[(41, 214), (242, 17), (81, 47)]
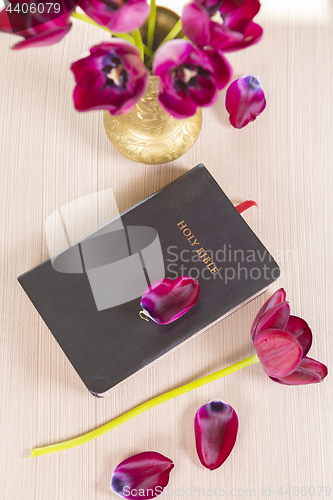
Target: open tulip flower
[(282, 342), (189, 77), (117, 15), (112, 77), (37, 29), (222, 24)]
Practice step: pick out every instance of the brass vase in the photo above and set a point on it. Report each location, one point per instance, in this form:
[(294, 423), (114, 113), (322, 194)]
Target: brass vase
[(148, 134)]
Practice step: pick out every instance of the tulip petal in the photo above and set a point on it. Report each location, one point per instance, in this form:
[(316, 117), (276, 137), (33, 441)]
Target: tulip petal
[(298, 327), (144, 475), (166, 300), (276, 317), (117, 15), (278, 351), (215, 426), (278, 297), (309, 371), (245, 100)]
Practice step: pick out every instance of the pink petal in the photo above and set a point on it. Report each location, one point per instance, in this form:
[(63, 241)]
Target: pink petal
[(276, 317), (298, 327), (215, 426), (279, 352), (43, 39), (309, 371), (144, 475), (245, 100), (245, 205), (278, 297), (166, 300)]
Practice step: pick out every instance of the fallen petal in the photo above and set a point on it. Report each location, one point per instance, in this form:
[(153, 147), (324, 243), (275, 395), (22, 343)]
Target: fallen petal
[(278, 297), (279, 352), (144, 475), (166, 300), (245, 100), (309, 371), (298, 327), (215, 427)]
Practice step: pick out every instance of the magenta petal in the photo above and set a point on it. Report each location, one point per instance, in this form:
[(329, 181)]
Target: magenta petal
[(276, 317), (278, 297), (245, 100), (309, 371), (117, 15), (279, 352), (215, 427), (298, 327), (166, 300), (144, 475)]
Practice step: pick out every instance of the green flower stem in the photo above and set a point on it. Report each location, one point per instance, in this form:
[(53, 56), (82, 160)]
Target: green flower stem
[(87, 19), (170, 36), (144, 407), (151, 24), (138, 41)]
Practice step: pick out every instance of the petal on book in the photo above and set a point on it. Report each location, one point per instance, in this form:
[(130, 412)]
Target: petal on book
[(144, 475), (215, 427), (166, 300)]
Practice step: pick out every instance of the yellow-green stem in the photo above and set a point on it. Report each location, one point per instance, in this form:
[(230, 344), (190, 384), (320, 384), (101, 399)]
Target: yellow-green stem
[(87, 19), (143, 407), (138, 41), (151, 24), (170, 36)]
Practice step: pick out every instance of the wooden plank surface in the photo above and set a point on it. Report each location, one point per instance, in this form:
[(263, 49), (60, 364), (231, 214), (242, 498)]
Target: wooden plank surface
[(51, 155)]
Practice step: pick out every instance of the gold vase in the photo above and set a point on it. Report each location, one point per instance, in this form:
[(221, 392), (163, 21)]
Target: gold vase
[(148, 134)]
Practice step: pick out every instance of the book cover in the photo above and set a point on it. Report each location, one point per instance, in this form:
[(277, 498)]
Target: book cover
[(89, 294)]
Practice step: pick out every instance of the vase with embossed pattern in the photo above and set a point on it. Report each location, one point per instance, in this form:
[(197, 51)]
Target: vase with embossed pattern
[(148, 134)]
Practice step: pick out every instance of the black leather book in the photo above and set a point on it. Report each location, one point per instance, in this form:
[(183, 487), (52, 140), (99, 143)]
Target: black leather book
[(89, 295)]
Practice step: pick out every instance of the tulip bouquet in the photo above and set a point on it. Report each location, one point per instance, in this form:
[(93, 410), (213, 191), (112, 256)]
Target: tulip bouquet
[(114, 76)]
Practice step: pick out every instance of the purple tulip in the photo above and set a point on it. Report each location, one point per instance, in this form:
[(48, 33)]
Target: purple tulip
[(282, 342), (222, 24), (244, 100), (189, 77), (166, 300), (112, 77), (215, 426), (144, 475), (37, 29), (118, 15)]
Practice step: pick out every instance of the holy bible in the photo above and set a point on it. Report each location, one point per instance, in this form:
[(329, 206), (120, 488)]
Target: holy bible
[(89, 293)]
